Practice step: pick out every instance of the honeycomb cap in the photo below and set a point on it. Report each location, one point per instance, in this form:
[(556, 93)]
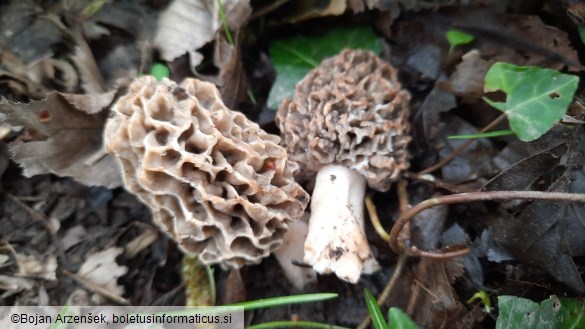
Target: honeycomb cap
[(216, 183), (351, 111)]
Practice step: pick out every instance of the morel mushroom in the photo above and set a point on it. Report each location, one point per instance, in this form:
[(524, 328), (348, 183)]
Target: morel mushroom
[(216, 183), (348, 124)]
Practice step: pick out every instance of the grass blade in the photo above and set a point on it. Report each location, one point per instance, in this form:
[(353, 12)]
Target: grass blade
[(286, 300), (375, 312)]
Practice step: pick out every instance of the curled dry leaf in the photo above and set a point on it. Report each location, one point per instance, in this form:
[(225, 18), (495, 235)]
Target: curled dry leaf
[(467, 80), (3, 260), (63, 137), (179, 33), (29, 32), (231, 79), (101, 268), (433, 296), (19, 85), (298, 11), (12, 285), (73, 236), (31, 266), (89, 73)]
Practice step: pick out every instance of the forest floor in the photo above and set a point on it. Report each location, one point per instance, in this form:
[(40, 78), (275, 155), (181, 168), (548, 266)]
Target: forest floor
[(70, 233)]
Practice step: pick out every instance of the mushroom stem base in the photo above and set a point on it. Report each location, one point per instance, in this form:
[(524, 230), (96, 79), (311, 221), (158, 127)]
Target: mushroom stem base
[(336, 241)]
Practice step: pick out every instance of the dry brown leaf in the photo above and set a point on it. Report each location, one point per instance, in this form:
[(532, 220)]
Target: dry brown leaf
[(3, 260), (101, 268), (434, 302), (64, 138), (518, 39), (31, 266), (141, 242), (467, 80), (535, 32), (235, 289), (20, 85), (358, 6), (304, 10), (56, 72), (73, 236), (89, 73), (308, 9), (179, 33), (231, 79), (12, 285), (78, 297)]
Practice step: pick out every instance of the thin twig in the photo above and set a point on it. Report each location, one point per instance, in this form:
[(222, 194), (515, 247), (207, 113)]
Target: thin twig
[(46, 223), (265, 10), (404, 204), (468, 197), (375, 219), (387, 289), (458, 150), (452, 188), (96, 288)]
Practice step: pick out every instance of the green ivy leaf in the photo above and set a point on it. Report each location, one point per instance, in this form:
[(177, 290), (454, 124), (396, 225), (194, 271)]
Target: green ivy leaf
[(536, 97), (553, 313), (400, 320), (457, 38), (294, 58)]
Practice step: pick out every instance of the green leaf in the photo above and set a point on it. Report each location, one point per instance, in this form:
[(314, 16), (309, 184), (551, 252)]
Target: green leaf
[(456, 37), (536, 97), (484, 297), (294, 58), (400, 320), (553, 313), (375, 312), (159, 71)]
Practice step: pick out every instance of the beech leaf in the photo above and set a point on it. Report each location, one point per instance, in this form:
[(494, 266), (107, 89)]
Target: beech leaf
[(547, 234), (63, 137), (187, 25), (536, 97)]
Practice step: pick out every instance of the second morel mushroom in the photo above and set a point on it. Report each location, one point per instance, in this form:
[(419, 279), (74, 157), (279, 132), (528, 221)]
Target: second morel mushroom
[(348, 124), (216, 183)]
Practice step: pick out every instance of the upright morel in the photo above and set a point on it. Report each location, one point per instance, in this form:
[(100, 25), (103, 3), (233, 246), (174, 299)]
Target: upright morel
[(348, 125)]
